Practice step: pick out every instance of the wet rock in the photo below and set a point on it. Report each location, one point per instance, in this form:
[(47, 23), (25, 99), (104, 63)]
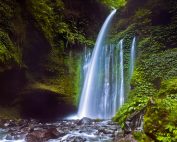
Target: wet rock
[(43, 135), (60, 132), (2, 122), (82, 130), (10, 123), (127, 138), (71, 138), (85, 121), (9, 137), (134, 122), (119, 134), (105, 131), (31, 138)]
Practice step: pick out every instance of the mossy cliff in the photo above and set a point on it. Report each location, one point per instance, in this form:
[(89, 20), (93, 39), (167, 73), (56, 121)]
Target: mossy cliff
[(153, 84), (40, 52)]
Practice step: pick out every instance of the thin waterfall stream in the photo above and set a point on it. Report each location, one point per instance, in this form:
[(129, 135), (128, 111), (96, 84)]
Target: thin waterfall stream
[(132, 56), (121, 75)]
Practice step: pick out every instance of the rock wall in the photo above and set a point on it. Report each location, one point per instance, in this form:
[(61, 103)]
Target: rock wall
[(41, 46)]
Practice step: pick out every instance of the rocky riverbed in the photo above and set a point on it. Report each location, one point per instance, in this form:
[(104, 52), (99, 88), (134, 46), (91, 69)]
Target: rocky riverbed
[(84, 130)]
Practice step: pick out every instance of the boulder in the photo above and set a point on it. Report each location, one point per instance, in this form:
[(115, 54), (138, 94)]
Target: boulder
[(43, 135), (127, 138), (85, 121)]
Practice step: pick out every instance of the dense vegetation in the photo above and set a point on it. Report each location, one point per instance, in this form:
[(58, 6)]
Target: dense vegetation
[(41, 46), (153, 85)]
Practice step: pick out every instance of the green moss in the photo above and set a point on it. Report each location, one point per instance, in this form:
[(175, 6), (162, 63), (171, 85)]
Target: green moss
[(42, 86), (61, 74)]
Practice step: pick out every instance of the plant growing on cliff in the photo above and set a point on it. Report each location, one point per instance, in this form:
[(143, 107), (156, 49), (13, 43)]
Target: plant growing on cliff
[(9, 54), (114, 3), (50, 20)]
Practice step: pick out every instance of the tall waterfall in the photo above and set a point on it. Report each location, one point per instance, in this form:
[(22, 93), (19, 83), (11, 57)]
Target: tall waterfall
[(103, 71), (89, 105)]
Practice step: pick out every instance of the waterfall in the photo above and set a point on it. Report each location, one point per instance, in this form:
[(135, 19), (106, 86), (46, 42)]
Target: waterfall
[(87, 104), (121, 74), (132, 56), (108, 88), (87, 56), (103, 71)]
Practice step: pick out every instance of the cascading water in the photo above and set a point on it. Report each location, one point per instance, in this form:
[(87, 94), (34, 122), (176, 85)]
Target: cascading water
[(91, 86), (87, 56), (108, 94), (103, 72), (132, 56)]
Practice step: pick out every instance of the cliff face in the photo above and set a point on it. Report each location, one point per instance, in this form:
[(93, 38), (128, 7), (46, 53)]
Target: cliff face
[(154, 25), (40, 52)]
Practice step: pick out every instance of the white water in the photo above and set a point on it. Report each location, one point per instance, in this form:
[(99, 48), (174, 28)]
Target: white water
[(132, 56), (103, 71), (108, 93), (87, 105), (121, 74), (109, 90)]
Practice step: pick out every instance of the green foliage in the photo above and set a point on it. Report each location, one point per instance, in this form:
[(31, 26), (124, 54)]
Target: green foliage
[(142, 19), (140, 136), (62, 74), (161, 65), (9, 55), (114, 3), (43, 14), (155, 73), (126, 34), (148, 46), (160, 121), (141, 87), (132, 105), (49, 17), (169, 89)]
